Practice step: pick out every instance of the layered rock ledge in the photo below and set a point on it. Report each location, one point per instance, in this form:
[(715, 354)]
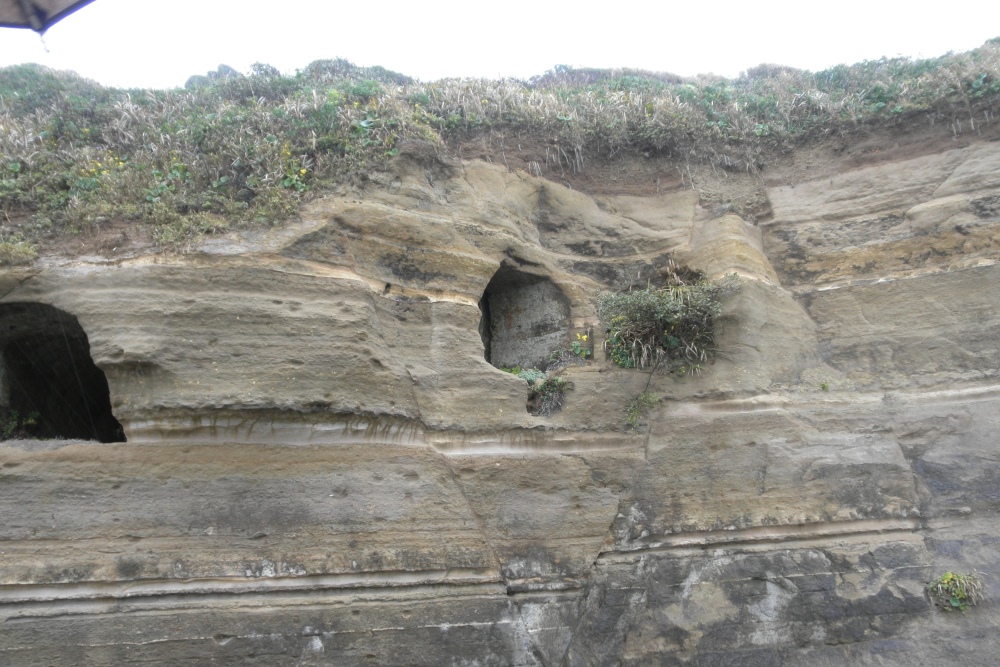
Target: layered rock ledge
[(322, 466)]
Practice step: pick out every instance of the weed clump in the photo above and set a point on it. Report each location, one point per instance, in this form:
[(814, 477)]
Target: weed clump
[(14, 250), (545, 393), (547, 396), (15, 426), (954, 591), (669, 328), (638, 407)]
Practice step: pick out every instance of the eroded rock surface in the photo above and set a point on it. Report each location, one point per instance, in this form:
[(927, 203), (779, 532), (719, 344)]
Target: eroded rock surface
[(323, 467)]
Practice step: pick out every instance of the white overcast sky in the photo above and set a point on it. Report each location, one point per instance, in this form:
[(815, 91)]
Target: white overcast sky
[(140, 43)]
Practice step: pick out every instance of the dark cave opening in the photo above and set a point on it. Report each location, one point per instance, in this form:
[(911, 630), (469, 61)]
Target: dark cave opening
[(524, 318), (47, 374)]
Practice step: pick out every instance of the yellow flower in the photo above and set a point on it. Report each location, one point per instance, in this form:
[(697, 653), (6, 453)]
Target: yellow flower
[(302, 171)]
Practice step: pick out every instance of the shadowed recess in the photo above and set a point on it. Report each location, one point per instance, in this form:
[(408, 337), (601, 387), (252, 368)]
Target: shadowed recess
[(49, 385), (524, 318)]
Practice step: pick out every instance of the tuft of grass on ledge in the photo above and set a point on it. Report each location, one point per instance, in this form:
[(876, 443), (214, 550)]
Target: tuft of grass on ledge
[(15, 250)]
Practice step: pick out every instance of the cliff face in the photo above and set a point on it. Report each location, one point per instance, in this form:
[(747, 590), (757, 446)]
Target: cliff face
[(323, 467)]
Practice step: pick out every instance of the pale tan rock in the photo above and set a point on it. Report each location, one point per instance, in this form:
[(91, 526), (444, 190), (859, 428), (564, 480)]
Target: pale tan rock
[(241, 511), (942, 212), (729, 245), (928, 213), (868, 192), (323, 468), (978, 172)]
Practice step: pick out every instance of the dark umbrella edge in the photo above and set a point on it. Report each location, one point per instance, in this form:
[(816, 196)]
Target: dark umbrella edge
[(51, 20)]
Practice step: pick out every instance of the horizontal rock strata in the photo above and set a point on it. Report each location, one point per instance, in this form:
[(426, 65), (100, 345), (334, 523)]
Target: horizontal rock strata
[(322, 466)]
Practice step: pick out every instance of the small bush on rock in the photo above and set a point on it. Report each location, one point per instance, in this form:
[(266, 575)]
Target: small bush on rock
[(15, 250), (14, 426), (547, 396), (531, 375), (954, 591), (669, 327), (638, 407)]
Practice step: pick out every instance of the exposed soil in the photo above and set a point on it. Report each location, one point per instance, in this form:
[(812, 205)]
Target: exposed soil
[(627, 173), (867, 147), (621, 174), (114, 239), (639, 174)]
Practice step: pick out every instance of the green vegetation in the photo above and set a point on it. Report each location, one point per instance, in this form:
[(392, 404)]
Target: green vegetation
[(581, 346), (233, 151), (529, 375), (547, 396), (668, 328), (14, 250), (638, 407), (14, 426), (953, 591)]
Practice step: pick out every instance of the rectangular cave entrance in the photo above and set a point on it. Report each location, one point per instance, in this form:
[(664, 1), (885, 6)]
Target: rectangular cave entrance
[(49, 384), (524, 317)]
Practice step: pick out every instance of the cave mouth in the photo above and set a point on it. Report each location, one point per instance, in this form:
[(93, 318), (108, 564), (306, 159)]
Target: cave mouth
[(47, 374), (524, 318)]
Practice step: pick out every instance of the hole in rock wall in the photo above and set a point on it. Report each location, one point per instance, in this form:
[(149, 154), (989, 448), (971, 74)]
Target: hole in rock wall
[(524, 318), (46, 372)]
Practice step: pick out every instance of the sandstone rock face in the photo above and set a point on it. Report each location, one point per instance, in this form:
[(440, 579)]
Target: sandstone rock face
[(323, 466)]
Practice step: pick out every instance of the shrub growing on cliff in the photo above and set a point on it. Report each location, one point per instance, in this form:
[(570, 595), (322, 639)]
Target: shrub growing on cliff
[(669, 327), (529, 375), (15, 426), (638, 407), (15, 250), (545, 392), (547, 396), (954, 591)]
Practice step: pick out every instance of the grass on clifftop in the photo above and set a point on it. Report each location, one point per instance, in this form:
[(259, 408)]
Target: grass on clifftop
[(236, 151)]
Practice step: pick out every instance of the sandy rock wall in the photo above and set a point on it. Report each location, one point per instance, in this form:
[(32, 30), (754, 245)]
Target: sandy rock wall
[(323, 468), (892, 262)]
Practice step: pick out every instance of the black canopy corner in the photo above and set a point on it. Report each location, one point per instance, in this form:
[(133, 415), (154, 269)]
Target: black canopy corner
[(39, 15)]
